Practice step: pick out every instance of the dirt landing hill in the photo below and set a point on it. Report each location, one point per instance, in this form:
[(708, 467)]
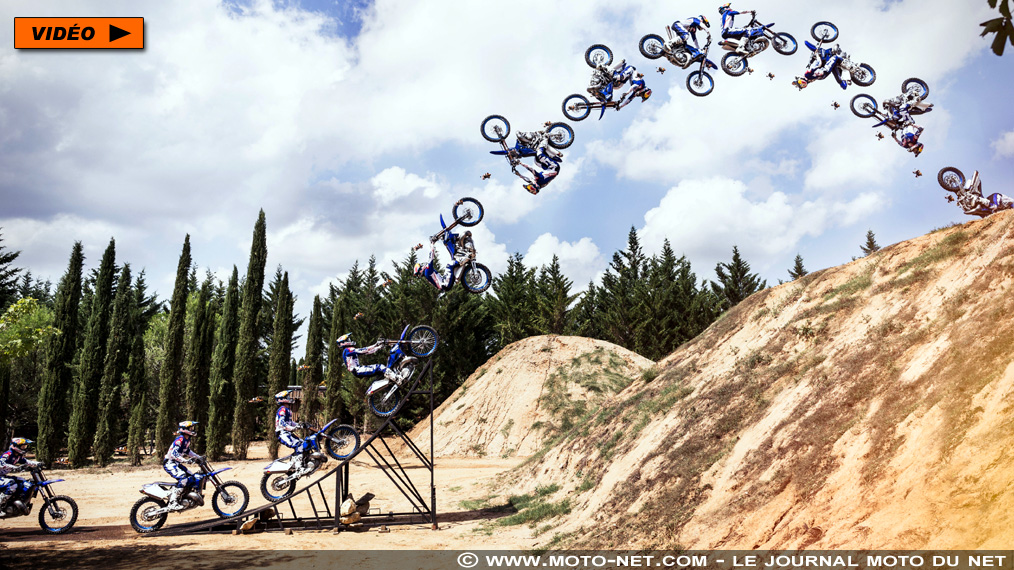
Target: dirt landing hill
[(863, 406)]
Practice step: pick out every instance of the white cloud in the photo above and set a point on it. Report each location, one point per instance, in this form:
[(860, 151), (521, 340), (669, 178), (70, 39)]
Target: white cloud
[(393, 183), (581, 261), (1003, 147)]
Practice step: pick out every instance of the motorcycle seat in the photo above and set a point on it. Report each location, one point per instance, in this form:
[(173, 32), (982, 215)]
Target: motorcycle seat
[(734, 33)]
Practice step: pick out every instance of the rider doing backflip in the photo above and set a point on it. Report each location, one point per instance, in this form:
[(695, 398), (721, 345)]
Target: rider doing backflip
[(178, 454), (825, 62), (637, 89), (687, 30), (548, 159), (908, 137)]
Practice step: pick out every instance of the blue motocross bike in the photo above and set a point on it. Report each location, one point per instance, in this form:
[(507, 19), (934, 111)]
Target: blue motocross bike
[(280, 477), (699, 81), (750, 41), (150, 512), (385, 395), (496, 129), (58, 513), (577, 107)]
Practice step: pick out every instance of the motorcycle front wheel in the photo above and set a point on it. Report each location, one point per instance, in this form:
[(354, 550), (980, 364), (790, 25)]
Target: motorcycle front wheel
[(489, 128), (598, 54), (734, 64), (384, 402), (651, 46), (581, 107), (700, 83), (468, 211), (560, 135), (341, 441), (58, 514), (951, 179), (236, 502), (864, 76), (142, 516), (824, 32), (916, 83), (863, 106), (274, 486), (422, 341), (476, 278), (784, 44)]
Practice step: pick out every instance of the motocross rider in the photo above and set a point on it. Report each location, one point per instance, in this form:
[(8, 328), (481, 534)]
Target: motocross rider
[(12, 461), (825, 61), (637, 89), (727, 17), (178, 454), (533, 139), (285, 426), (909, 138), (350, 355), (971, 201), (687, 29), (602, 76), (428, 271), (548, 159)]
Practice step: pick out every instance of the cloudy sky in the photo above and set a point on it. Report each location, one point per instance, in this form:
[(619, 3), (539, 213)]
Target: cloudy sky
[(353, 124)]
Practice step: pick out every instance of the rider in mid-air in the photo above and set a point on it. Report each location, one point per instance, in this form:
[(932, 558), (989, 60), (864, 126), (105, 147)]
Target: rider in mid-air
[(727, 19), (12, 461), (548, 159), (687, 30), (825, 62), (602, 76), (428, 271), (178, 454), (350, 355), (908, 137), (637, 89)]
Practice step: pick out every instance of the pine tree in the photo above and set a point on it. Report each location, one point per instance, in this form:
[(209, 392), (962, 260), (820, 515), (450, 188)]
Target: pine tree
[(871, 244), (513, 308), (246, 348), (735, 282), (620, 293), (587, 314), (58, 377), (223, 362), (314, 363), (86, 391), (197, 362), (117, 357), (8, 275), (553, 300), (798, 270), (170, 401), (281, 353)]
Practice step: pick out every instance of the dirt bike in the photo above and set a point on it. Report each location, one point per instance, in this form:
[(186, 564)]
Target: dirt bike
[(474, 276), (750, 41), (150, 512), (861, 74), (58, 513), (913, 93), (969, 194), (280, 477), (384, 396), (699, 81), (577, 107)]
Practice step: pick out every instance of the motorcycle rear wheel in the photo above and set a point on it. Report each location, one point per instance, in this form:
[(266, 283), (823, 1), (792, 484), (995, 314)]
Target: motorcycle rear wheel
[(487, 128), (951, 179), (476, 278), (824, 32), (865, 77), (916, 82), (784, 44), (240, 498), (598, 54), (651, 46), (341, 441), (700, 83), (149, 524), (469, 208), (422, 341), (274, 482), (582, 108), (734, 64), (64, 518), (560, 135), (863, 106)]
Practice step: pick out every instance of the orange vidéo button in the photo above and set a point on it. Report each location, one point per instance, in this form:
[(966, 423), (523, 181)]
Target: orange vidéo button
[(79, 33)]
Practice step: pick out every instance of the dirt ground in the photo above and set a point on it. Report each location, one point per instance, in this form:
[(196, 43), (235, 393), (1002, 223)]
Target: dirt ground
[(105, 496)]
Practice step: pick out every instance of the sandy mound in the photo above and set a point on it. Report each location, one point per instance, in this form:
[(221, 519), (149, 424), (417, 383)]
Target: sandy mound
[(512, 404)]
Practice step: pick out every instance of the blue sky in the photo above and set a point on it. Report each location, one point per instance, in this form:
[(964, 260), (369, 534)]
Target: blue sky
[(353, 125)]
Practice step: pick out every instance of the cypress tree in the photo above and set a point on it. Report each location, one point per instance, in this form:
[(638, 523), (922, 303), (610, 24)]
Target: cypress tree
[(86, 391), (314, 362), (246, 348), (58, 377), (170, 376), (117, 357), (735, 282), (871, 243), (797, 269), (281, 353), (222, 364), (334, 407), (197, 364), (143, 309)]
